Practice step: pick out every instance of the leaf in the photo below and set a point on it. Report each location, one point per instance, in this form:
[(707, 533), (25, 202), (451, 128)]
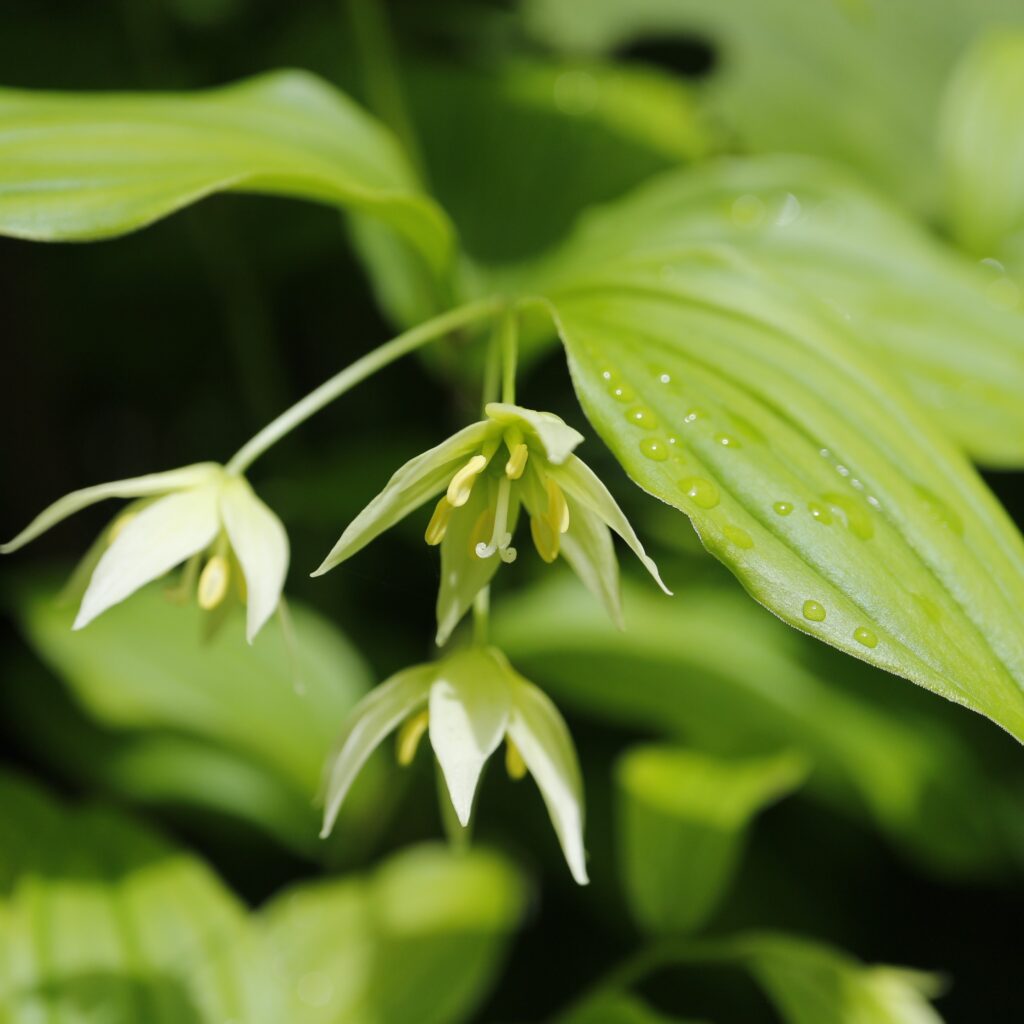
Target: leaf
[(420, 939), (617, 1008), (101, 919), (804, 468), (858, 82), (86, 166), (690, 680), (946, 328), (982, 144), (242, 736), (682, 819)]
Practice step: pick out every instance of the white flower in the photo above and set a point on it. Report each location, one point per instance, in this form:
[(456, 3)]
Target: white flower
[(485, 473), (199, 513), (469, 702)]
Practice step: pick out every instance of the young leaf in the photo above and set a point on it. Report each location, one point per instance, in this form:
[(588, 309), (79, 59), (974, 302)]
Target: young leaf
[(951, 330), (804, 468), (79, 166), (683, 817)]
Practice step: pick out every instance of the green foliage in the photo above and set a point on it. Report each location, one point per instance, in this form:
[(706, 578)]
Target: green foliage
[(683, 819), (102, 919), (215, 722)]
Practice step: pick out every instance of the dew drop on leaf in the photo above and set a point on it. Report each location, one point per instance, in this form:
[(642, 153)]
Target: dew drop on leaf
[(864, 636), (703, 492), (814, 611), (654, 448)]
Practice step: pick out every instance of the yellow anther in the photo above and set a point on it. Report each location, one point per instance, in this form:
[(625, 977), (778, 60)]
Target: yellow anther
[(516, 462), (545, 539), (438, 525), (514, 763), (408, 739), (461, 485), (118, 525), (558, 507), (213, 582)]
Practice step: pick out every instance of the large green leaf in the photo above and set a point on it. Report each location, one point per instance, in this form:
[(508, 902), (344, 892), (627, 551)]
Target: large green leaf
[(804, 467), (857, 81), (951, 330), (683, 816), (711, 668), (419, 940), (86, 166), (216, 723), (102, 920), (982, 135)]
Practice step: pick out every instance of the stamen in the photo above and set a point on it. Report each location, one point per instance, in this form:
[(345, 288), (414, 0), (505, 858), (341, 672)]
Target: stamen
[(514, 763), (545, 539), (517, 461), (438, 525), (461, 485), (481, 530), (558, 507), (500, 537), (408, 740), (118, 525), (213, 583)]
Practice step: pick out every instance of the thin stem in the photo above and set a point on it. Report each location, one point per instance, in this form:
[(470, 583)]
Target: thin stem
[(481, 616), (509, 355), (489, 390), (354, 374)]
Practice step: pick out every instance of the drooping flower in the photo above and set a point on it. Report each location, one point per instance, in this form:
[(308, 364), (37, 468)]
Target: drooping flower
[(468, 702), (485, 473), (200, 515)]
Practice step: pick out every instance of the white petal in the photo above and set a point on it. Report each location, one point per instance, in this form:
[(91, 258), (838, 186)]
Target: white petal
[(587, 547), (553, 434), (582, 484), (376, 715), (136, 487), (160, 537), (259, 540), (469, 706), (416, 482), (543, 739)]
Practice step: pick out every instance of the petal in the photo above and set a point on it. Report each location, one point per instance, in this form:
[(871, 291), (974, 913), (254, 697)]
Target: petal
[(417, 481), (469, 707), (555, 437), (160, 537), (463, 573), (377, 714), (136, 487), (587, 547), (543, 740), (581, 483), (259, 541)]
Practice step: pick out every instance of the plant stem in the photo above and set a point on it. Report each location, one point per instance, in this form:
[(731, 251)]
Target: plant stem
[(354, 374), (509, 354)]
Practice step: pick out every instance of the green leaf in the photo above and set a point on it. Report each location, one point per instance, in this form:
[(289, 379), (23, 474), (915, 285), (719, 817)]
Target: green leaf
[(243, 738), (859, 82), (804, 468), (810, 983), (982, 137), (952, 331), (689, 679), (682, 821), (618, 1008), (86, 166), (102, 920), (421, 939)]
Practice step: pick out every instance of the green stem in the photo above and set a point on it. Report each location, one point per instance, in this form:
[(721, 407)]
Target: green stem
[(509, 355), (354, 374)]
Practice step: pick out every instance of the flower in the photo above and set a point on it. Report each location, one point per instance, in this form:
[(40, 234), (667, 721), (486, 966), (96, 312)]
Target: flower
[(515, 457), (469, 702), (196, 514)]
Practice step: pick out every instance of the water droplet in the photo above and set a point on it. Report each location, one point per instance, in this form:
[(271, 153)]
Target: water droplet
[(819, 512), (747, 211), (693, 415), (727, 441), (824, 453), (654, 448), (929, 607), (641, 416), (703, 492), (738, 536), (864, 636), (623, 393), (855, 483), (940, 511), (782, 508), (994, 264), (841, 469), (609, 375), (852, 513), (665, 378), (673, 440), (873, 501), (814, 612), (789, 212)]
